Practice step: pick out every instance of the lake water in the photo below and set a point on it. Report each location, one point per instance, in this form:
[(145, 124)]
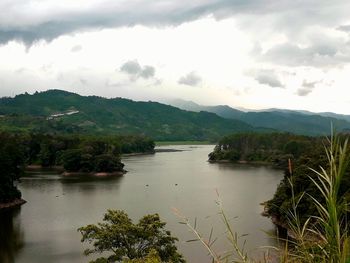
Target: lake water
[(45, 228)]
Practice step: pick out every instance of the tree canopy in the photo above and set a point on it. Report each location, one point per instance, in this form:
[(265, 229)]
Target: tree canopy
[(130, 242)]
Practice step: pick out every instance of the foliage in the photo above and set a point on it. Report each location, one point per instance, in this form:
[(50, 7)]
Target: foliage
[(152, 257), (127, 241), (11, 166)]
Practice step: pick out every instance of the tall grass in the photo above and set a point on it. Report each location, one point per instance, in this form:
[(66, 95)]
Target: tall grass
[(331, 224), (322, 238)]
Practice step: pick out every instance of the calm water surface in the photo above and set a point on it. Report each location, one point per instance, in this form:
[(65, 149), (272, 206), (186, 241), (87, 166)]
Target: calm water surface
[(44, 229)]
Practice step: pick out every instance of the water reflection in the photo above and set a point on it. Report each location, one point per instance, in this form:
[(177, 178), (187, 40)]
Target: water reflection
[(11, 235)]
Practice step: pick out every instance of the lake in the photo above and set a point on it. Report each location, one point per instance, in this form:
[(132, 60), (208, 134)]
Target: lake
[(45, 228)]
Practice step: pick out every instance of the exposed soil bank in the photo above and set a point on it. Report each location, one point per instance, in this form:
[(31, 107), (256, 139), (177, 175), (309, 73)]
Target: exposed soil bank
[(100, 174), (14, 203)]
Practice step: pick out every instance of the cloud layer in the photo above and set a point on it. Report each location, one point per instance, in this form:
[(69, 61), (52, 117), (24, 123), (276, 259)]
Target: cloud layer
[(50, 19)]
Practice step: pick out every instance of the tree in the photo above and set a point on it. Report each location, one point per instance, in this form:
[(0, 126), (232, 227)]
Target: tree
[(11, 166), (108, 163), (71, 160), (128, 241)]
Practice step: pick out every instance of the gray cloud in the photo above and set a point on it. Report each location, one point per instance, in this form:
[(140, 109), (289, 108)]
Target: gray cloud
[(307, 88), (131, 67), (316, 55), (303, 92), (267, 77), (135, 71), (191, 79), (345, 28), (285, 15), (147, 72)]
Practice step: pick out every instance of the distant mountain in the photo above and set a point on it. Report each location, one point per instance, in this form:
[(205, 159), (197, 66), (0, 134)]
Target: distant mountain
[(221, 110), (299, 122), (61, 111), (324, 114)]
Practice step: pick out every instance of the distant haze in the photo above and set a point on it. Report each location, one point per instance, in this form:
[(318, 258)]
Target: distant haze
[(242, 53)]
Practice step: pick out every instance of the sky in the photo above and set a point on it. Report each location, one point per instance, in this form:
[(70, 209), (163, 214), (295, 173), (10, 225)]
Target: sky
[(255, 54)]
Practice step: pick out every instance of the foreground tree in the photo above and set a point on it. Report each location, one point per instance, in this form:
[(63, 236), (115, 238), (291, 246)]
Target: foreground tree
[(128, 241)]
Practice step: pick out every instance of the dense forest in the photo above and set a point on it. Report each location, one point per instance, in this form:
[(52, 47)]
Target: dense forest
[(57, 111), (276, 149), (74, 153)]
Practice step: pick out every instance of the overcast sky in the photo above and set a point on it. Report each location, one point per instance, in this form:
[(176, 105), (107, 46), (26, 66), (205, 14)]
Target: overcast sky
[(255, 54)]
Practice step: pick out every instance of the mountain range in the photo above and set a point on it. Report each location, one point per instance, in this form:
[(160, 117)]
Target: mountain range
[(294, 121), (62, 111), (57, 111)]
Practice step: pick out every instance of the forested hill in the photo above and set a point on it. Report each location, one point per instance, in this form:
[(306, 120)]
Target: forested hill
[(61, 111), (298, 122)]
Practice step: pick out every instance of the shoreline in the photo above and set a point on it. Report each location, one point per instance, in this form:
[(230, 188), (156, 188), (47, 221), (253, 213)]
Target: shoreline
[(136, 154), (60, 169), (15, 203), (243, 162), (36, 167), (97, 174), (283, 229)]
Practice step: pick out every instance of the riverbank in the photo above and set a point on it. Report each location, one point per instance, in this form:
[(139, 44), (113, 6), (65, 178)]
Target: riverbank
[(14, 203)]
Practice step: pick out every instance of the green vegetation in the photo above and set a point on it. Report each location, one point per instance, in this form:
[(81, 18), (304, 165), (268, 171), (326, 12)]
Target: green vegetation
[(303, 181), (11, 166), (131, 243), (96, 115)]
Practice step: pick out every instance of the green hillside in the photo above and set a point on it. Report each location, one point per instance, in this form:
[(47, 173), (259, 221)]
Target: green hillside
[(49, 112)]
